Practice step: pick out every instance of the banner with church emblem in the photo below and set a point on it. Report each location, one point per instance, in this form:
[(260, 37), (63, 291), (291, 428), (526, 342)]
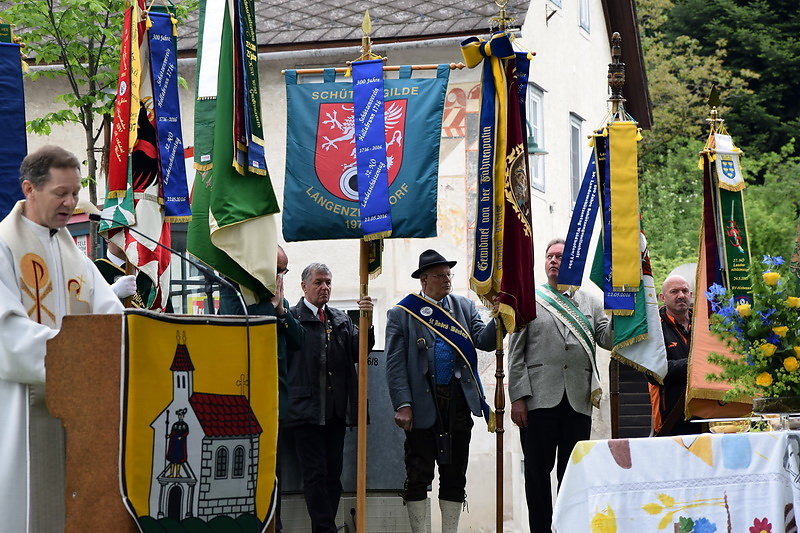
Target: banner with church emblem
[(200, 422), (321, 199)]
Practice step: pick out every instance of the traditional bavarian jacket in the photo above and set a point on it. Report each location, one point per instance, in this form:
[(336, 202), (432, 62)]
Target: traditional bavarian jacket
[(43, 276), (547, 359)]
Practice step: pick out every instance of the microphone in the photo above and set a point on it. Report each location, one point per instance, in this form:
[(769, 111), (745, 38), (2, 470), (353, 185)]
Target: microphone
[(207, 272)]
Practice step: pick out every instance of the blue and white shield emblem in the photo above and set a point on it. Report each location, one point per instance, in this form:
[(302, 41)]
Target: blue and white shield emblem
[(728, 167)]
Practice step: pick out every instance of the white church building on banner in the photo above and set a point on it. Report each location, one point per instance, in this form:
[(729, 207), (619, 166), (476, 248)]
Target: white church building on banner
[(205, 451)]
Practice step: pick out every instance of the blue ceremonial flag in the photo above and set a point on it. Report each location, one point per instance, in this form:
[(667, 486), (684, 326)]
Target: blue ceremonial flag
[(371, 161), (321, 192), (581, 227), (13, 142), (164, 65)]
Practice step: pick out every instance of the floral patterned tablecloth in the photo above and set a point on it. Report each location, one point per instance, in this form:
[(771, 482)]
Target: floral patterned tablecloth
[(742, 483)]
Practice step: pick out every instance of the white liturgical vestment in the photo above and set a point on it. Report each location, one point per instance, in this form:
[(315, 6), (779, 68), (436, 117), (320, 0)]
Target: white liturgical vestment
[(32, 441)]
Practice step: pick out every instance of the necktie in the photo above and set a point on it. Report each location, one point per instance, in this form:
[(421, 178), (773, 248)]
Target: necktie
[(321, 314)]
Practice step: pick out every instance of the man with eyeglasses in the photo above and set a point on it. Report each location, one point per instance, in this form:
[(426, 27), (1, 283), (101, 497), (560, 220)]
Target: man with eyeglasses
[(553, 382), (290, 338), (434, 386)]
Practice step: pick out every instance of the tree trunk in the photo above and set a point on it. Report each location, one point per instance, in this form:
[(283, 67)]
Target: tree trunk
[(91, 163)]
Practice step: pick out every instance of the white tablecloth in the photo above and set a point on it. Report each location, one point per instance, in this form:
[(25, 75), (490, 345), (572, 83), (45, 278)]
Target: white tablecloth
[(741, 483)]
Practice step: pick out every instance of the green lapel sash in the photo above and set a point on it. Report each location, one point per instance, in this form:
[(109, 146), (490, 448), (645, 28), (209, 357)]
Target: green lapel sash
[(569, 315)]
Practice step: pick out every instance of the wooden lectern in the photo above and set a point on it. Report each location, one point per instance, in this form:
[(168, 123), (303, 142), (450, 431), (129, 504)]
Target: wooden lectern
[(83, 390)]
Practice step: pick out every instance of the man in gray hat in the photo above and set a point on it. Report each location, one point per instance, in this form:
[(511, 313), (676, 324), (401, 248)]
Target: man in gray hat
[(434, 386)]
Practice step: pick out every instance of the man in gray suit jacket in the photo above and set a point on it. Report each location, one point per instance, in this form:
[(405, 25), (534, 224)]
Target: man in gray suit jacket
[(434, 386), (553, 383)]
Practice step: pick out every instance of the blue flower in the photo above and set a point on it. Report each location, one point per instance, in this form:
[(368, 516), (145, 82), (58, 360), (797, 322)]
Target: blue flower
[(766, 314), (703, 525), (774, 339), (772, 261), (716, 291)]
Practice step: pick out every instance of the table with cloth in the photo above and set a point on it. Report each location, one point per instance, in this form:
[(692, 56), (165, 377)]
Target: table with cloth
[(741, 482)]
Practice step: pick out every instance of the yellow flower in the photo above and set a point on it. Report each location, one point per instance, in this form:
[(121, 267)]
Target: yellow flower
[(796, 350), (793, 301), (768, 349), (780, 331), (771, 278), (764, 379), (791, 364), (743, 310)]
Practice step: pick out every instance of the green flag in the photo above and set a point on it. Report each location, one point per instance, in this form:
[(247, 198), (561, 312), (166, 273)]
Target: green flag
[(233, 229)]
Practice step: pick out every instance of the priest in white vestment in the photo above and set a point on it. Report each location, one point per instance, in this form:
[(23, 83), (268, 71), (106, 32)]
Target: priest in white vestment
[(43, 276)]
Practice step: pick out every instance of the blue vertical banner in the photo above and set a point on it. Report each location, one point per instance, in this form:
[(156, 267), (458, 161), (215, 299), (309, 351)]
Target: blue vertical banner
[(13, 142), (581, 227), (164, 65), (373, 176)]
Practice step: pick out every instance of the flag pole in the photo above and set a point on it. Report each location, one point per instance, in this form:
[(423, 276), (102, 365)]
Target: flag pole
[(499, 391), (616, 80), (364, 323)]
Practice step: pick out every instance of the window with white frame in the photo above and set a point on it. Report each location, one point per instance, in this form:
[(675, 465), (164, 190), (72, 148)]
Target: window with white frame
[(535, 132), (576, 147), (583, 14)]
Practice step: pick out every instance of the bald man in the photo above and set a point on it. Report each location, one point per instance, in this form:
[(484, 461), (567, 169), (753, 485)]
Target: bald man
[(668, 400)]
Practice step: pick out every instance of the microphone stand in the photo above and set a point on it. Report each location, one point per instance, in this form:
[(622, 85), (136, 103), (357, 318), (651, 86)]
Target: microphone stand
[(209, 275)]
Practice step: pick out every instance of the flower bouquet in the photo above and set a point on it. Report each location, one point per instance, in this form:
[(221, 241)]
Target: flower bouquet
[(763, 335)]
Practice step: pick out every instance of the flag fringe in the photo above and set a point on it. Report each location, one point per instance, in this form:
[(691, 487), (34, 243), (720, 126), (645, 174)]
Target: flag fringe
[(116, 194), (377, 236), (375, 273), (481, 288), (203, 167), (491, 424), (619, 312), (595, 397), (626, 288), (259, 171), (622, 359), (571, 288), (507, 315), (735, 188), (178, 219)]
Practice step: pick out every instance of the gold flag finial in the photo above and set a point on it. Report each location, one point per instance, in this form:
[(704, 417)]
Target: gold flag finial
[(366, 24)]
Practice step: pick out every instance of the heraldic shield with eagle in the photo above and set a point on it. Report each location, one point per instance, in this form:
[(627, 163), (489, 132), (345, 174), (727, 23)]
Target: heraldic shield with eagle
[(200, 413)]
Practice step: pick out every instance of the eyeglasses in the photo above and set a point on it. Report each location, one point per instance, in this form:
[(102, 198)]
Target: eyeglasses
[(441, 276)]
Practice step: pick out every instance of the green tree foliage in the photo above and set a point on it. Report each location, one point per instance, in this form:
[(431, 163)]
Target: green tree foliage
[(78, 41), (682, 65), (761, 36)]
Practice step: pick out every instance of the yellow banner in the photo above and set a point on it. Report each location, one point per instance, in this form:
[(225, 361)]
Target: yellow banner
[(626, 265), (200, 419)]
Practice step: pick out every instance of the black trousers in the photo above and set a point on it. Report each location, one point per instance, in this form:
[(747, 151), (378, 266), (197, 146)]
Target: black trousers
[(420, 450), (550, 433), (320, 449)]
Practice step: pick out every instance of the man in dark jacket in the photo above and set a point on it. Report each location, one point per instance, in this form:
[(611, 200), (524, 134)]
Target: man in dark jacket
[(323, 390), (669, 400), (290, 338)]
